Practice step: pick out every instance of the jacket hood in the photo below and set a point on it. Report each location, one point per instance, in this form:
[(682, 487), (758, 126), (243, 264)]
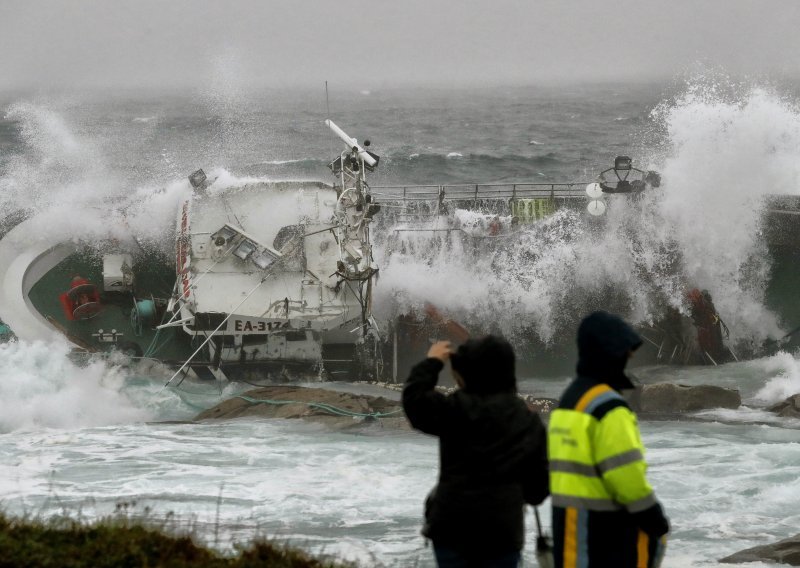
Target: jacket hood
[(487, 365), (604, 344)]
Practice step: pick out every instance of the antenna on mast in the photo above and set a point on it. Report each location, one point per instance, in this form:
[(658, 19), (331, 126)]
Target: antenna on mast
[(328, 109), (327, 103), (352, 145)]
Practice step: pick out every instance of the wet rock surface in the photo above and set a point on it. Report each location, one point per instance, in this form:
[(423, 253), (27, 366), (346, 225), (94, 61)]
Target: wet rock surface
[(335, 408), (789, 408), (670, 398), (343, 409), (786, 551)]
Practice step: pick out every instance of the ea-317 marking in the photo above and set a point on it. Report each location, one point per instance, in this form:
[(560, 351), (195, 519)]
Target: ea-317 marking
[(256, 326)]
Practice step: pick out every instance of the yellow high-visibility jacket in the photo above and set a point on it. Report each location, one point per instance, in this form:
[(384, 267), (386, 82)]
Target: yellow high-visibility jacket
[(600, 494)]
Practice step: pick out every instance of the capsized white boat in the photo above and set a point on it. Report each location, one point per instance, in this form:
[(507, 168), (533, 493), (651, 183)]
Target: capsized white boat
[(271, 279)]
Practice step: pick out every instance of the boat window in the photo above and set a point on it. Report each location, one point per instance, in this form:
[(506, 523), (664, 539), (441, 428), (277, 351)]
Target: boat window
[(250, 340), (208, 321), (225, 233), (295, 336), (245, 249), (262, 260)]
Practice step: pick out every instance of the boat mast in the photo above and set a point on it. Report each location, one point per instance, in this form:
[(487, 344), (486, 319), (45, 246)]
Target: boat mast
[(353, 213)]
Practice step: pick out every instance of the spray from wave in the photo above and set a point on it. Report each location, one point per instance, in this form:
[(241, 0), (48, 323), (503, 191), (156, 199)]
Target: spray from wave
[(41, 387), (57, 166), (722, 154), (784, 370), (728, 152), (701, 229), (62, 181), (231, 103)]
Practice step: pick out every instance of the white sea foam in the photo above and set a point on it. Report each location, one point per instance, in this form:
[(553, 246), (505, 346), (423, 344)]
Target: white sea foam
[(280, 162), (224, 180), (700, 229), (785, 382), (727, 154), (360, 496), (41, 387), (458, 266)]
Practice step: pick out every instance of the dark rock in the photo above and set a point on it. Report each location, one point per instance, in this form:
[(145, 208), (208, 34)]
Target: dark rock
[(786, 551), (336, 409), (327, 407), (320, 405), (669, 398), (789, 408)]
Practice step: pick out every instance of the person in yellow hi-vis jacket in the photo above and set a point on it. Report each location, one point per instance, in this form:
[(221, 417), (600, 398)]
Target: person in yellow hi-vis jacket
[(605, 513)]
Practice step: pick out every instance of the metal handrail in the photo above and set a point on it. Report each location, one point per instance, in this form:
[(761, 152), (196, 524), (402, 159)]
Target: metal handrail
[(479, 191)]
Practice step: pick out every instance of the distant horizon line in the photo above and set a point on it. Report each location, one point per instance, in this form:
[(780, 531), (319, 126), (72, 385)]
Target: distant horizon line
[(378, 87), (438, 85)]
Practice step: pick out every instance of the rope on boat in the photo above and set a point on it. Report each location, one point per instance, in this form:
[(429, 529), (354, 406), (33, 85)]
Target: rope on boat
[(223, 322), (329, 408)]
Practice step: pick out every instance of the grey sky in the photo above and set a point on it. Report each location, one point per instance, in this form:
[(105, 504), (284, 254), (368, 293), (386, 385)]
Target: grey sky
[(148, 43)]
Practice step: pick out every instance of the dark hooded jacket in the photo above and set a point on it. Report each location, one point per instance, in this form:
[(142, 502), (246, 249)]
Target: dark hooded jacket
[(611, 538), (605, 342), (492, 449)]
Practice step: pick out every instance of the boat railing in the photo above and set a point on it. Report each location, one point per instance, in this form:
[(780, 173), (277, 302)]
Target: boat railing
[(505, 191), (533, 201), (480, 191)]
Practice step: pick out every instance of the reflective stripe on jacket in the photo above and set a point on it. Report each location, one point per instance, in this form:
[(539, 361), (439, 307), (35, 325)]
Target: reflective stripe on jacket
[(598, 482), (596, 455)]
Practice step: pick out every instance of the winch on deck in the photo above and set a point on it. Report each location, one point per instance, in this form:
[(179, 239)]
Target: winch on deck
[(81, 301)]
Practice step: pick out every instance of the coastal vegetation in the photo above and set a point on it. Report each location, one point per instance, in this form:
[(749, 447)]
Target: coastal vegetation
[(123, 541)]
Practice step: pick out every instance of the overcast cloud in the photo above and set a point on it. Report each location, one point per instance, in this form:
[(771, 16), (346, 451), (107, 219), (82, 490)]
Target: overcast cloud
[(147, 43)]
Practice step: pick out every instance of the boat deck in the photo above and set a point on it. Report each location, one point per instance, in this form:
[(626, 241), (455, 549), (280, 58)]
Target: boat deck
[(112, 326)]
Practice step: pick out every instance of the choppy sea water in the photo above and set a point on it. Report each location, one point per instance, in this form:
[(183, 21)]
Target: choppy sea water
[(84, 439)]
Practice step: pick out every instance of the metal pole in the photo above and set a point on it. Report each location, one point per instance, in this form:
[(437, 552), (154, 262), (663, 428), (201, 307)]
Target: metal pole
[(394, 353), (192, 356)]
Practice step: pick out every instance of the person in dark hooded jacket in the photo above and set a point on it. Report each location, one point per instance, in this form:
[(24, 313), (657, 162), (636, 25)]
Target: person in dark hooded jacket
[(492, 453), (605, 513)]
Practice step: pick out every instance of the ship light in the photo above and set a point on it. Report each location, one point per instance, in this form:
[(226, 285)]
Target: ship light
[(245, 249), (623, 163), (262, 260)]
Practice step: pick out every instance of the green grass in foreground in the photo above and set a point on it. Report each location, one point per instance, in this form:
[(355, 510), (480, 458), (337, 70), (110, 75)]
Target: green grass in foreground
[(122, 543)]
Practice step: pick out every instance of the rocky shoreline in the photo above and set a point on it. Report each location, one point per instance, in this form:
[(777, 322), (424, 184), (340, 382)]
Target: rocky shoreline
[(343, 410), (335, 409), (786, 551)]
